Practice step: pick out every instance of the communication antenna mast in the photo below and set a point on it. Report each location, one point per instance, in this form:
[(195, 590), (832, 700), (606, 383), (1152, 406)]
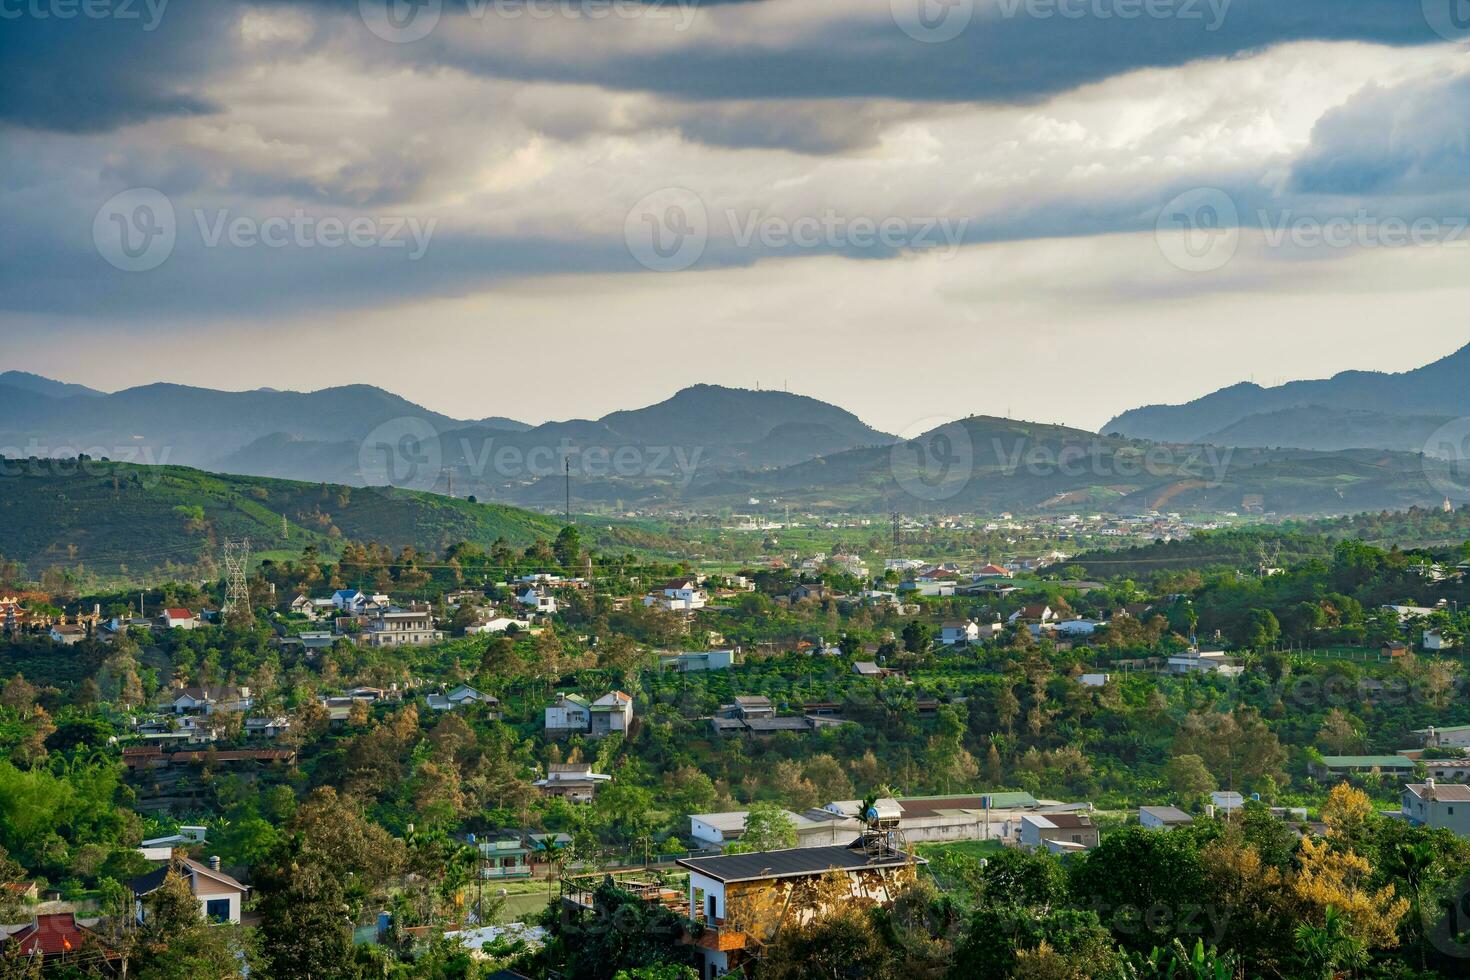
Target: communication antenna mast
[(237, 582), (567, 463), (285, 528), (897, 535)]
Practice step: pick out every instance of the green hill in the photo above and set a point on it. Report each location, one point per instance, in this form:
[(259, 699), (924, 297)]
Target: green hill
[(114, 518)]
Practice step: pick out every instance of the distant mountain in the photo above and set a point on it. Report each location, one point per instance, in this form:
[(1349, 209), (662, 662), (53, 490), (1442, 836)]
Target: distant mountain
[(114, 517), (625, 454), (37, 385), (339, 435), (1319, 427), (168, 423), (989, 465), (1352, 409)]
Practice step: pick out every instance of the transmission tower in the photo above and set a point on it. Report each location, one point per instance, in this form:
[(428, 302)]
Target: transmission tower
[(237, 582), (897, 534)]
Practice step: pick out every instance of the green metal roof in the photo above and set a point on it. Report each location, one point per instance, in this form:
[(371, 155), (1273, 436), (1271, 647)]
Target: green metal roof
[(1367, 762)]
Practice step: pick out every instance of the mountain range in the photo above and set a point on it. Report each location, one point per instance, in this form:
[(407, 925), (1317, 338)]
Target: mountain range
[(1351, 410), (1348, 444)]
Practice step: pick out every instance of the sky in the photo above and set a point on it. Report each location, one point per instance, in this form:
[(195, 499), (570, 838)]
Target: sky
[(915, 209)]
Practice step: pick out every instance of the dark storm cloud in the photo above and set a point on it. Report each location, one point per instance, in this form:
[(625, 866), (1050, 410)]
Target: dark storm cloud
[(93, 73), (87, 74)]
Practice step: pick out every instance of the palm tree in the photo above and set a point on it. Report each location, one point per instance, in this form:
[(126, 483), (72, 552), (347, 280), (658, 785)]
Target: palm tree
[(1326, 948)]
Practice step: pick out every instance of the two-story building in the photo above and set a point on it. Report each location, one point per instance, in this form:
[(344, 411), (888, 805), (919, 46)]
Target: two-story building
[(411, 626), (678, 595), (219, 895), (1428, 804), (569, 714)]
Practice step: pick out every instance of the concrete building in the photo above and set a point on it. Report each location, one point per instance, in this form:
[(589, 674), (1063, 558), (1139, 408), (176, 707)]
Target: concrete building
[(1429, 804), (1163, 817), (1058, 832)]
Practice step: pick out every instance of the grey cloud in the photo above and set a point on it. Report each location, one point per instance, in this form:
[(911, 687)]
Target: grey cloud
[(1411, 139)]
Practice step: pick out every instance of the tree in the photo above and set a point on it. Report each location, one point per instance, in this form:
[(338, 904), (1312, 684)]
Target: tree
[(768, 828), (839, 943), (917, 637), (1338, 733), (1188, 778)]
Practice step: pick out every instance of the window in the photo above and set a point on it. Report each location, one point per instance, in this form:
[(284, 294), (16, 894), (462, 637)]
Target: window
[(217, 909)]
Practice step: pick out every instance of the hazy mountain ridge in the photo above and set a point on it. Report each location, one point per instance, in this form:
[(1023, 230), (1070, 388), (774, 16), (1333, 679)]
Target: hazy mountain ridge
[(1350, 409)]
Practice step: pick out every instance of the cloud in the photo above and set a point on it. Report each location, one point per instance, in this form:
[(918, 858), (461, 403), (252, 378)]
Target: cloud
[(1407, 139)]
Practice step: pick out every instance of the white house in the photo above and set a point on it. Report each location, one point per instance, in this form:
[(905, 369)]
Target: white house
[(539, 600), (568, 714), (1435, 640), (178, 619), (219, 895), (1163, 817), (611, 714), (678, 595), (697, 661), (1076, 627), (348, 600), (460, 696), (1196, 661), (959, 631)]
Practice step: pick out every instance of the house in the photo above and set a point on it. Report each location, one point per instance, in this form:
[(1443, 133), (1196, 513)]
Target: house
[(177, 619), (55, 937), (270, 726), (461, 696), (349, 600), (970, 816), (1448, 737), (1342, 765), (1032, 613), (1163, 817), (162, 848), (206, 700), (1434, 640), (1058, 832), (219, 895), (959, 631), (572, 781), (1196, 661), (413, 626), (1428, 804), (678, 595), (691, 662), (569, 714), (67, 634), (748, 706), (1393, 650), (740, 901), (497, 624), (1077, 627), (1407, 613), (538, 599), (867, 668), (611, 714), (1094, 680), (814, 591), (993, 571), (819, 829), (1226, 801), (506, 858)]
